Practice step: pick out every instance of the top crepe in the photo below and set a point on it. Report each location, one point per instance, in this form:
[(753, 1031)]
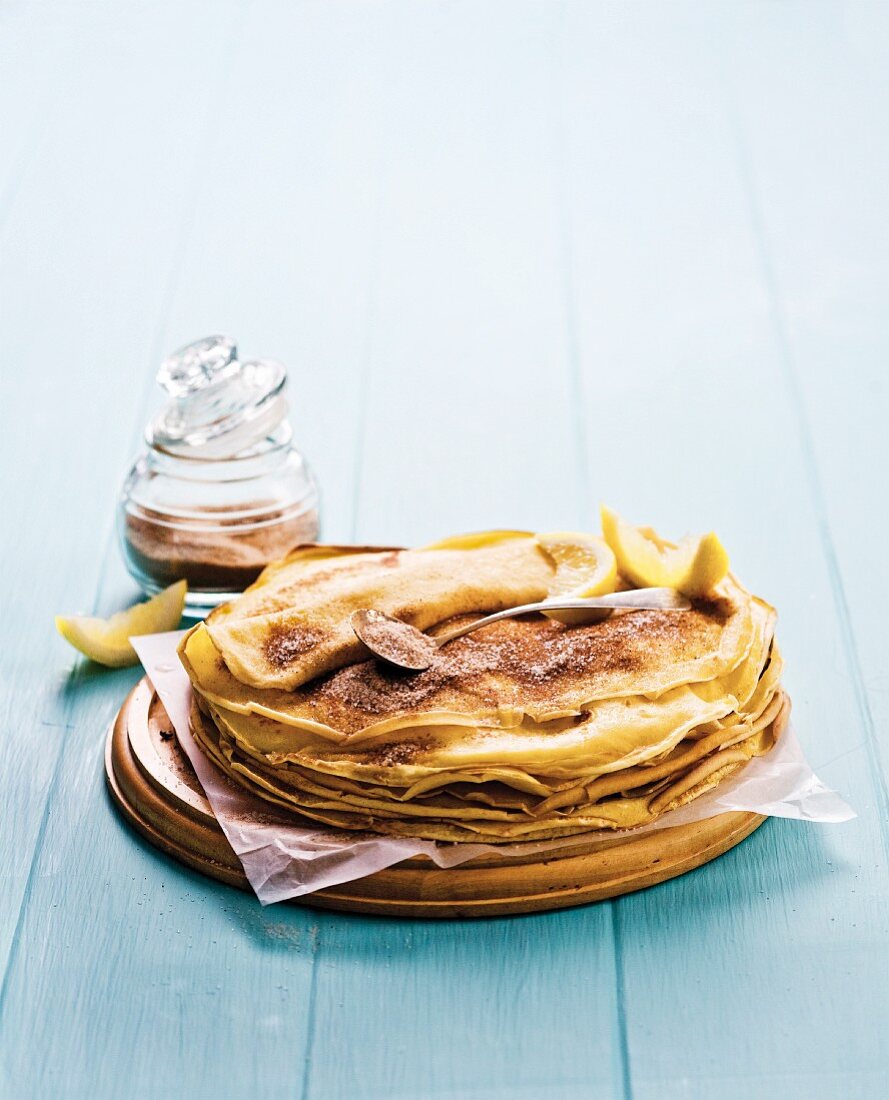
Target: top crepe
[(526, 728), (293, 624)]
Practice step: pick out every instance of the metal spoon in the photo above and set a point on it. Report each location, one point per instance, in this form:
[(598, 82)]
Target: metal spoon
[(404, 646)]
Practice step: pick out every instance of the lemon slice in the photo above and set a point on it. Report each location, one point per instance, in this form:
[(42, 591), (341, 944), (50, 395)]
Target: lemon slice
[(694, 567), (585, 566), (106, 641)]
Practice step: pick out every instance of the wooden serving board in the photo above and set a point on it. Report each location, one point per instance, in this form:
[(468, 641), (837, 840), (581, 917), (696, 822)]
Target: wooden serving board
[(157, 791)]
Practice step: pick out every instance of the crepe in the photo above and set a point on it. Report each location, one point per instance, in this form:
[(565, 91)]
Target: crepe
[(515, 668), (525, 729), (293, 624), (451, 816)]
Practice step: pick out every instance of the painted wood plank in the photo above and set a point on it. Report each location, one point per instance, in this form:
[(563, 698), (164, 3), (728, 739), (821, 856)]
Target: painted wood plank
[(758, 971), (470, 362), (471, 351), (79, 989), (29, 61), (75, 335), (517, 1007), (277, 250), (828, 289), (284, 245)]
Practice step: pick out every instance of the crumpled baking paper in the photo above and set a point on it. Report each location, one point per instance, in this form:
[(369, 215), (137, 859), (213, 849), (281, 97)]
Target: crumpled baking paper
[(285, 860)]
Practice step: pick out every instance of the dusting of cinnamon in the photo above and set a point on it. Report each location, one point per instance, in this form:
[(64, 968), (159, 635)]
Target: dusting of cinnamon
[(392, 755), (532, 660), (285, 643)]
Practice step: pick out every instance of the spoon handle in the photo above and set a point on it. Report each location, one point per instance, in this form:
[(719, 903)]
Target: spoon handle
[(642, 599)]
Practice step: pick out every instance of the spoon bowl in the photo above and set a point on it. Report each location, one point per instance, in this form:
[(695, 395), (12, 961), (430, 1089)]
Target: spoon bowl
[(393, 640)]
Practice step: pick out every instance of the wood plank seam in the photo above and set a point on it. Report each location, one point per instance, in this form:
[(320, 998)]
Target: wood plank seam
[(624, 1066)]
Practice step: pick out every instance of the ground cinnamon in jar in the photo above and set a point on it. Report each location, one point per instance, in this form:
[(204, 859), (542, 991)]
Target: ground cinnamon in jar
[(225, 555)]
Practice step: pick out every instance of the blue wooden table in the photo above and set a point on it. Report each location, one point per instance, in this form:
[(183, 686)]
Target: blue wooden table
[(521, 257)]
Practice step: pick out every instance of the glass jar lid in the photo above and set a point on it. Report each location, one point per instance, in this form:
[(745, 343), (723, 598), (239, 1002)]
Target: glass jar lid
[(219, 406)]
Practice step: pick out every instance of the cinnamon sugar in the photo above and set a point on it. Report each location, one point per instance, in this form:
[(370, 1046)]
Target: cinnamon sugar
[(285, 643), (393, 755), (394, 640), (532, 659)]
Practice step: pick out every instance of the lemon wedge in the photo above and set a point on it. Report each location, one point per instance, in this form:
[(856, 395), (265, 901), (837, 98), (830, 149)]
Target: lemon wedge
[(106, 641), (694, 567), (585, 566)]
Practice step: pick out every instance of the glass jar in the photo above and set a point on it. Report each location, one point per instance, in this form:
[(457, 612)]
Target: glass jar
[(220, 490)]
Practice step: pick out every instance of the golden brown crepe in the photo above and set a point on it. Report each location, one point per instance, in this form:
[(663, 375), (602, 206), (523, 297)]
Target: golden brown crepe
[(525, 729), (293, 624), (451, 816)]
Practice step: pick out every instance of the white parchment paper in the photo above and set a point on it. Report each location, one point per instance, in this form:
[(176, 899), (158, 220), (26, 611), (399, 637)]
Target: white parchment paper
[(283, 859)]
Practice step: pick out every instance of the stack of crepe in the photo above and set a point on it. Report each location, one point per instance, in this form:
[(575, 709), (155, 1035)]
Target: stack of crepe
[(527, 729)]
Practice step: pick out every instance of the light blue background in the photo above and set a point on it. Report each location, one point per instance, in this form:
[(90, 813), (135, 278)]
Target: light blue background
[(521, 256)]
